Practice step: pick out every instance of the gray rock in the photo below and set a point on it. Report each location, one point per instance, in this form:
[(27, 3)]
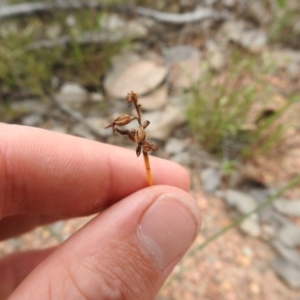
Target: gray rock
[(269, 216), (155, 100), (31, 120), (217, 61), (182, 158), (241, 201), (82, 131), (180, 53), (111, 22), (244, 204), (287, 207), (70, 21), (238, 32), (257, 10), (99, 124), (29, 106), (289, 254), (289, 235), (287, 59), (72, 94), (184, 64), (96, 97), (174, 146), (287, 272), (251, 226), (293, 70), (268, 232), (254, 40), (119, 27), (58, 128), (229, 3), (259, 194), (211, 179), (164, 123)]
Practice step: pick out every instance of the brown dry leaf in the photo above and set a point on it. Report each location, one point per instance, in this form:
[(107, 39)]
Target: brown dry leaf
[(155, 100), (141, 77)]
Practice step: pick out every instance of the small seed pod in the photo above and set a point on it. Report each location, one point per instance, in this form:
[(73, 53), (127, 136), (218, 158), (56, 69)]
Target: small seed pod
[(124, 119), (132, 97), (140, 135), (121, 120)]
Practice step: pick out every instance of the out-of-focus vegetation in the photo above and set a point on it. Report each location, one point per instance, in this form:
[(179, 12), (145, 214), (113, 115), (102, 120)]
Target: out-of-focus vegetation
[(221, 109), (219, 105), (27, 70)]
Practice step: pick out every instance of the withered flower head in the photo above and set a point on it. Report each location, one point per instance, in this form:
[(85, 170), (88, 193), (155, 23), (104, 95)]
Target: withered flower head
[(121, 120), (132, 97), (149, 146)]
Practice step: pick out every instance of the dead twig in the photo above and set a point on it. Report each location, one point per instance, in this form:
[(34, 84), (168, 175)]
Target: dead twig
[(173, 18), (88, 37), (165, 17)]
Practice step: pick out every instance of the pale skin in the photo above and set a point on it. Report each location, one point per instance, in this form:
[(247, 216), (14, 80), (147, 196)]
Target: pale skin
[(47, 176)]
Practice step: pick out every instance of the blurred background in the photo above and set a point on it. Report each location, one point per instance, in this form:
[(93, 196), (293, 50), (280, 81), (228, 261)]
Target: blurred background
[(219, 80)]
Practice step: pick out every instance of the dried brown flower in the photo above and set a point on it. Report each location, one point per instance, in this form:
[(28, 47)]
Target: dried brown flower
[(136, 135), (149, 146), (132, 97), (121, 120)]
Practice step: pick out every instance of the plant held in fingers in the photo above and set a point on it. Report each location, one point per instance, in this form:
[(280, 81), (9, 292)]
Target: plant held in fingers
[(136, 135)]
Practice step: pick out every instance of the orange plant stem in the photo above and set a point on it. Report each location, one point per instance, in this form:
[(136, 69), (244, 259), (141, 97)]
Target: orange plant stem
[(147, 167)]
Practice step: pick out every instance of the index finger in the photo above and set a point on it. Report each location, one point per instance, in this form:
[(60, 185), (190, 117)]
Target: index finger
[(60, 175)]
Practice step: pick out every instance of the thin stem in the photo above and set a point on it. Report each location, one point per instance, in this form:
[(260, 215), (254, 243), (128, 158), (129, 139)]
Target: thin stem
[(137, 108), (147, 167), (238, 221), (295, 181)]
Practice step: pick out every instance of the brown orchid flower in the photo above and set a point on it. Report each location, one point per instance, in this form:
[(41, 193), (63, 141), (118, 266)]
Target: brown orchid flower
[(136, 135)]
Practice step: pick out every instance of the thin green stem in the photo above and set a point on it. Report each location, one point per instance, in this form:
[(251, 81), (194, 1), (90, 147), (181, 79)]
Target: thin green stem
[(290, 184)]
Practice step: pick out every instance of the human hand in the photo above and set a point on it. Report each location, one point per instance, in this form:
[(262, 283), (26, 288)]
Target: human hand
[(126, 252)]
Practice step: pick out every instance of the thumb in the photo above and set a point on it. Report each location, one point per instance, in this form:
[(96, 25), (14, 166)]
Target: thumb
[(126, 252)]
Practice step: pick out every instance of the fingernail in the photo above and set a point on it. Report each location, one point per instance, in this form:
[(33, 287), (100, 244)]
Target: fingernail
[(167, 229)]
